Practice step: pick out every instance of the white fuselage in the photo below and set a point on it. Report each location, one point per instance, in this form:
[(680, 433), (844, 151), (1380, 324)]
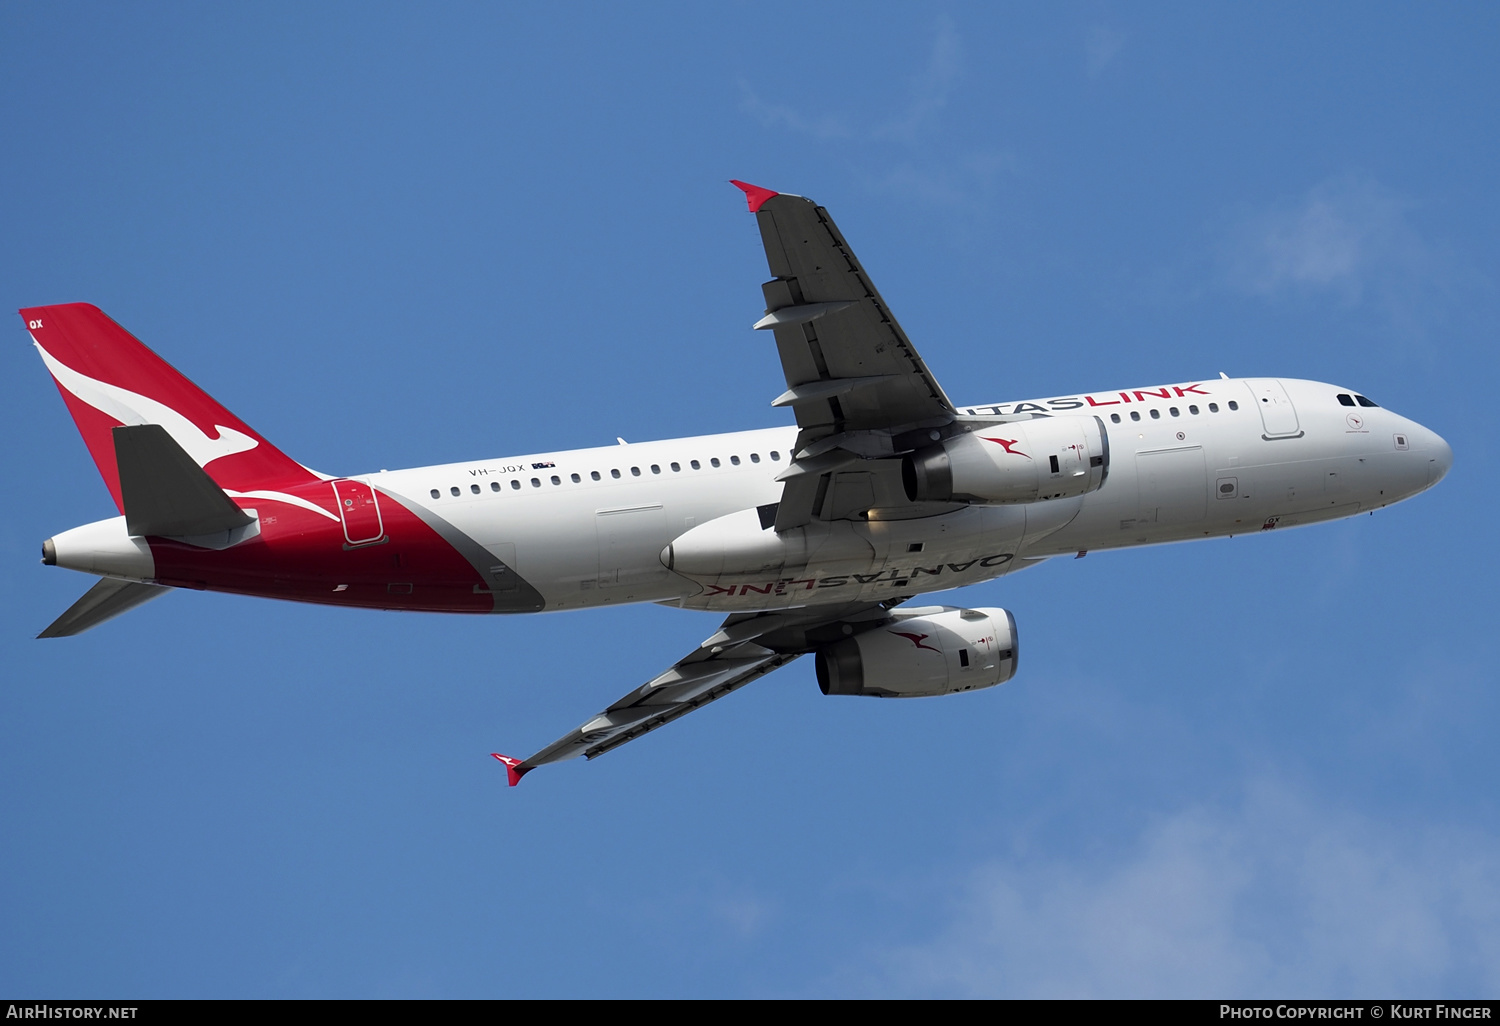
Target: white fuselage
[(588, 527)]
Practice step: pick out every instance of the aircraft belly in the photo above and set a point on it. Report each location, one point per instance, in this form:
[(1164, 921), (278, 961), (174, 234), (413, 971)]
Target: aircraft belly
[(906, 557)]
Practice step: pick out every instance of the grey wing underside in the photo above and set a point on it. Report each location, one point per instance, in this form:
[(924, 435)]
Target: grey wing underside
[(747, 646), (860, 390)]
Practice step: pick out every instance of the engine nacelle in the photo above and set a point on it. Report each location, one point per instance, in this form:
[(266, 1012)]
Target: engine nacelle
[(933, 651), (1023, 461)]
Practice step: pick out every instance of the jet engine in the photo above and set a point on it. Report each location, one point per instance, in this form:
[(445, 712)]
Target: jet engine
[(937, 650), (1023, 461)]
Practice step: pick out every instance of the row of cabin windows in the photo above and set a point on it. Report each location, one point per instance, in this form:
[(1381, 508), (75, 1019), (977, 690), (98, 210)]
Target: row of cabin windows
[(1174, 411), (1349, 400), (594, 475)]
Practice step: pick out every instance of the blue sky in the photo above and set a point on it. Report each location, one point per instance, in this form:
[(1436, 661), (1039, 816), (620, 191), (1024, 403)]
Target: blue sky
[(391, 236)]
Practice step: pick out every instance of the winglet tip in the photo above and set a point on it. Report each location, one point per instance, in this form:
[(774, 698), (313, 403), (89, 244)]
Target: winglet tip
[(755, 196), (513, 768)]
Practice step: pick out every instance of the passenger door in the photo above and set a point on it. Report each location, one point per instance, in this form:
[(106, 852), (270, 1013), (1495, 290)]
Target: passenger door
[(1277, 414)]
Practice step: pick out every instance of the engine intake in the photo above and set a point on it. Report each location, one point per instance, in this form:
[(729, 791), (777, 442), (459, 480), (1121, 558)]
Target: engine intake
[(938, 650), (1023, 461)]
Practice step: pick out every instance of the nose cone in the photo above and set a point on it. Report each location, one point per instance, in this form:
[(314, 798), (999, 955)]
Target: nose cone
[(1441, 455)]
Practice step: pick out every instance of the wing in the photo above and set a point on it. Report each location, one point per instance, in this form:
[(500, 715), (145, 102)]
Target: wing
[(860, 390), (746, 647)]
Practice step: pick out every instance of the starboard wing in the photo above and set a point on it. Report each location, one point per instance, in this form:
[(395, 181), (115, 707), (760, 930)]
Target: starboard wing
[(860, 390)]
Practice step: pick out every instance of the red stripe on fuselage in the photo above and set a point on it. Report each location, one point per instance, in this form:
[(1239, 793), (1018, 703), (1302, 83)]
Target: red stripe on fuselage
[(304, 557)]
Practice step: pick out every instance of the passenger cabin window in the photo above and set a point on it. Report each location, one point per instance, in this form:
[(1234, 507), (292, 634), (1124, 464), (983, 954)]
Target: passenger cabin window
[(494, 486), (1213, 407), (1114, 418), (1135, 414), (556, 480), (1193, 410), (1366, 402), (696, 465), (1156, 415), (474, 488), (515, 485), (755, 457), (436, 494), (453, 490), (1174, 412), (536, 482), (655, 468), (735, 460), (615, 474), (1233, 405), (714, 461), (635, 471), (594, 475), (775, 456), (676, 468), (575, 478), (1345, 399)]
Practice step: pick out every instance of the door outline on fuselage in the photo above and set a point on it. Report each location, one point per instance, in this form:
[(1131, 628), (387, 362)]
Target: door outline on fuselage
[(1278, 415), (630, 533), (355, 497), (1173, 485)]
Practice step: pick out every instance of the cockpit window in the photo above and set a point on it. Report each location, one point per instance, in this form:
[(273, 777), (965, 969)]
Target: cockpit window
[(1367, 402), (1345, 399)]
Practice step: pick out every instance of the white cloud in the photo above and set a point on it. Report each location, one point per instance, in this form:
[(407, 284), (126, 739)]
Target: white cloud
[(1342, 236), (954, 183), (745, 915), (1101, 46), (821, 126), (1279, 895), (928, 95), (930, 89), (904, 151)]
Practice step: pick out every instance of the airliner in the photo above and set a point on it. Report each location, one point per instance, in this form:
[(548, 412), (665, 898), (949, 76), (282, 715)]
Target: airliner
[(812, 538)]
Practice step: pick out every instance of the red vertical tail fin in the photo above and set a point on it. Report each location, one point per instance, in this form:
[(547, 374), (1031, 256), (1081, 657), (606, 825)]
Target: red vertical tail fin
[(108, 378)]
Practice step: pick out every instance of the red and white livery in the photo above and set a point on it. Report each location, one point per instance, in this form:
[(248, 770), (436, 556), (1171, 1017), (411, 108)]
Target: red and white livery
[(811, 538)]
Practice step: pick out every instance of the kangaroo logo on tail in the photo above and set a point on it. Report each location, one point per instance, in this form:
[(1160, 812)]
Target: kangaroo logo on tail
[(131, 408), (109, 379)]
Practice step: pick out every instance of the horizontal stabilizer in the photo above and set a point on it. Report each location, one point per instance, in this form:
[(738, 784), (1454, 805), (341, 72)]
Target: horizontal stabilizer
[(104, 601), (164, 491)]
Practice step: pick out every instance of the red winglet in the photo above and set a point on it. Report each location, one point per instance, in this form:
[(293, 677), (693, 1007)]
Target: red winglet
[(512, 768), (754, 194)]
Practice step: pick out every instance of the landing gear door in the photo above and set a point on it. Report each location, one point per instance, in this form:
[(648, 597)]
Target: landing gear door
[(1277, 414), (359, 509)]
